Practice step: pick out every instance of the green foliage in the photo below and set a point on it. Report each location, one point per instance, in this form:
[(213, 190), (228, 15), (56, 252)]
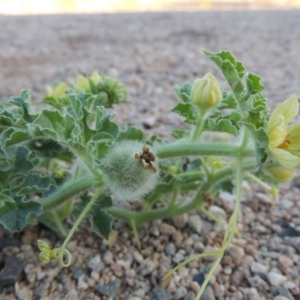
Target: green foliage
[(75, 151), (101, 221)]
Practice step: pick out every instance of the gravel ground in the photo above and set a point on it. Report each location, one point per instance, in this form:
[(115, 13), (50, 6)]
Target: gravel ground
[(150, 53)]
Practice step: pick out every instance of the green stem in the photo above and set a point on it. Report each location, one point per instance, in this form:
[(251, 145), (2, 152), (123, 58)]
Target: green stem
[(136, 235), (174, 196), (209, 149), (83, 156), (207, 278), (78, 221), (146, 215), (257, 180), (207, 213), (233, 220), (58, 222), (199, 127), (195, 257), (66, 191)]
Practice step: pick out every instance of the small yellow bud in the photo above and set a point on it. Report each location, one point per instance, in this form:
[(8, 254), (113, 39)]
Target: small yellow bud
[(82, 84), (58, 91), (282, 174), (206, 92), (173, 170), (95, 77)]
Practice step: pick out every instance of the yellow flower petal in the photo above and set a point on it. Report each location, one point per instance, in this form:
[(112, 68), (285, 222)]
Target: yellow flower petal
[(288, 109), (276, 131), (294, 136), (285, 158), (282, 174)]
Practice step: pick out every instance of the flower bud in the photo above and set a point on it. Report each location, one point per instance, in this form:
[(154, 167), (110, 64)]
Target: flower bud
[(130, 170), (95, 77), (82, 84), (58, 91), (282, 174), (206, 92)]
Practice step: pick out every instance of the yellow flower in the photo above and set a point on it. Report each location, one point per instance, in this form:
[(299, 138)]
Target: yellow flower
[(284, 139), (282, 174)]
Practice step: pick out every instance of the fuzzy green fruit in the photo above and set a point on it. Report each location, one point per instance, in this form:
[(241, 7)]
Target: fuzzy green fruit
[(130, 170)]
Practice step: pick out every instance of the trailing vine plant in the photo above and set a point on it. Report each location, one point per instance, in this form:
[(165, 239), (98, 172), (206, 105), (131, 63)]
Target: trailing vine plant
[(74, 158)]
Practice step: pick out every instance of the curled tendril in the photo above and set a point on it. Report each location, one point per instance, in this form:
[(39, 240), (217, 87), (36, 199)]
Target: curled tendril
[(47, 254)]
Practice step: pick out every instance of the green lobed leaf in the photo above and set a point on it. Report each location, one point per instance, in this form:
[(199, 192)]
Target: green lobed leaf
[(102, 224), (228, 101), (222, 125), (47, 148), (58, 103), (7, 119), (154, 139), (226, 186), (184, 92), (11, 137), (232, 70), (36, 183), (23, 101), (131, 133), (104, 201), (187, 111), (75, 104), (14, 215), (110, 127), (253, 84), (21, 163), (180, 133), (53, 124), (101, 148)]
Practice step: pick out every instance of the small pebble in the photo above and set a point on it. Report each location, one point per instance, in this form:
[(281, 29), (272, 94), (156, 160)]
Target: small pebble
[(138, 257), (159, 293), (189, 296), (180, 292), (109, 289), (166, 229), (276, 279), (12, 271), (237, 253), (180, 221), (258, 268), (95, 264), (82, 285), (170, 249), (195, 223), (208, 294), (148, 266), (218, 212), (178, 258), (285, 263)]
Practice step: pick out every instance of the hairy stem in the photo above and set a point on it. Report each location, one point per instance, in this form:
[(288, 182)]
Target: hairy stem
[(199, 127), (66, 191), (150, 215), (209, 149)]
